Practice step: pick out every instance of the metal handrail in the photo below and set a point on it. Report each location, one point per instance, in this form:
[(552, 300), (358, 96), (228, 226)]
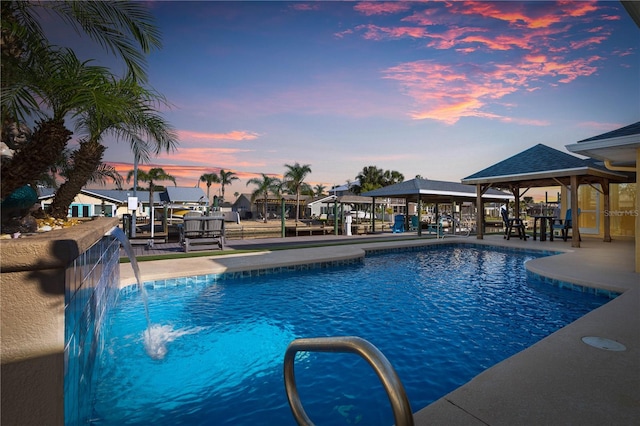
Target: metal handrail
[(347, 344)]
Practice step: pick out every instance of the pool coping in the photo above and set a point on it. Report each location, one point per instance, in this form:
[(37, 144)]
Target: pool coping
[(559, 380)]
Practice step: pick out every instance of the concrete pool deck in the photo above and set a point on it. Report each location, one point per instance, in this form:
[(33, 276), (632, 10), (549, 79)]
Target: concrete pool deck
[(559, 380)]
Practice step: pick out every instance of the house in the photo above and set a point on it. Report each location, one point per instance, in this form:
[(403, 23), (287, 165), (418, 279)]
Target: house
[(112, 202), (254, 210)]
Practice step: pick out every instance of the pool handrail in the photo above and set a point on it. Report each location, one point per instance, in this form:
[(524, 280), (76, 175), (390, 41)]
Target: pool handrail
[(347, 344)]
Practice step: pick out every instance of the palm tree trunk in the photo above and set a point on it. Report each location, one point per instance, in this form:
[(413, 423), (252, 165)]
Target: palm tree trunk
[(86, 160), (33, 160)]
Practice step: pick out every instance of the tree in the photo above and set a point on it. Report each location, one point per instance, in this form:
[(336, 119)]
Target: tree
[(226, 178), (372, 177), (369, 178), (48, 84), (264, 186), (294, 182), (391, 177), (124, 110), (318, 190), (209, 178)]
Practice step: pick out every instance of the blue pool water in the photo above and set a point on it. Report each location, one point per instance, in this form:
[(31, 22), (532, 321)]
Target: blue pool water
[(440, 316)]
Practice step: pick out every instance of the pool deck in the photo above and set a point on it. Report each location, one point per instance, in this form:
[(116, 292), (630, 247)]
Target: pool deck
[(558, 381)]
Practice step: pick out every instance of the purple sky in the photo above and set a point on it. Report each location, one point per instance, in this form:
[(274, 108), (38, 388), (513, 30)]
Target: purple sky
[(437, 89)]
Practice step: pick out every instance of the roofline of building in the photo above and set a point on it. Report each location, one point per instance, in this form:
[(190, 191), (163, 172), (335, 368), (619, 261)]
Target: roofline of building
[(546, 174), (465, 194), (586, 148)]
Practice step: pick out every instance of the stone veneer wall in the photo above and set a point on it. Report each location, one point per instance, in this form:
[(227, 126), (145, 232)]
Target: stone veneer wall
[(50, 289)]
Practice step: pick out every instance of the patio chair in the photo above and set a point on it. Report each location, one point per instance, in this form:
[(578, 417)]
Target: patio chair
[(413, 226), (191, 227), (214, 228), (513, 225), (398, 223), (565, 225)]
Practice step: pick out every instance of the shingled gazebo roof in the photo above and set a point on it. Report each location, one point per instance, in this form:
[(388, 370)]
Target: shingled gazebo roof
[(541, 166), (432, 191)]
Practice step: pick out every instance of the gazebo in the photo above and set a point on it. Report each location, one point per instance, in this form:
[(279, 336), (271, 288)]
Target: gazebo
[(543, 166), (420, 190)]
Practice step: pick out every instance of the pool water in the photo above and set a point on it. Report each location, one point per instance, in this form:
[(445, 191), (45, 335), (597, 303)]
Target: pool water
[(440, 316)]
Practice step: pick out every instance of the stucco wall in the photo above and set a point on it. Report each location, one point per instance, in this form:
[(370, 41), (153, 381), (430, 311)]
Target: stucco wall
[(32, 304)]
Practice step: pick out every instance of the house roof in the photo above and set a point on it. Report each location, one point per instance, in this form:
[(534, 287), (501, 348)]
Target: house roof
[(435, 191), (542, 165), (631, 129), (182, 194), (618, 146), (172, 195)]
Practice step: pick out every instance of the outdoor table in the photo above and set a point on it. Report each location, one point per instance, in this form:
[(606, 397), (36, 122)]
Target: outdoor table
[(544, 221)]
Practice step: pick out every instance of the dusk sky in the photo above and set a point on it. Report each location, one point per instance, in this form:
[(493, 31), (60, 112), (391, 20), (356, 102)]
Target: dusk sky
[(437, 89)]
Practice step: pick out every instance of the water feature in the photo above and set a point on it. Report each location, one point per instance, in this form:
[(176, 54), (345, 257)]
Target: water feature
[(156, 336), (440, 316)]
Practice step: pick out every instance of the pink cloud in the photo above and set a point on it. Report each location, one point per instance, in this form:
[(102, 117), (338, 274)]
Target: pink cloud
[(235, 135), (186, 175), (381, 8), (449, 92), (518, 15), (590, 41)]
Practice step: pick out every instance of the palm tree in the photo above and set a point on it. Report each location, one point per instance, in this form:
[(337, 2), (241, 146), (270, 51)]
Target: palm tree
[(226, 178), (264, 186), (50, 136), (294, 182), (369, 178), (152, 176), (391, 177), (318, 190), (124, 110), (373, 177), (48, 84), (209, 178)]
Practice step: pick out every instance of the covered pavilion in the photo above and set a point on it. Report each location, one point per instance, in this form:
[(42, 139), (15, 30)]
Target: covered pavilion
[(420, 191), (619, 149), (543, 166)]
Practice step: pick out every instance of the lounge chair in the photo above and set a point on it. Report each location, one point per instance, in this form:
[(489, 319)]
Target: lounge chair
[(513, 225), (398, 223), (565, 225)]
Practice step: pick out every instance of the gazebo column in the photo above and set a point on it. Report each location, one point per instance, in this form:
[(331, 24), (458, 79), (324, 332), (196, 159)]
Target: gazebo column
[(607, 208), (479, 224), (373, 215), (406, 214), (575, 226), (419, 217), (480, 190)]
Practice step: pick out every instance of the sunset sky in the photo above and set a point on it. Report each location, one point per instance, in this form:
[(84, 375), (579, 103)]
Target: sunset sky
[(437, 89)]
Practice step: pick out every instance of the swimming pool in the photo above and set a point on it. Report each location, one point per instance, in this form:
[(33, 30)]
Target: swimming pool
[(440, 315)]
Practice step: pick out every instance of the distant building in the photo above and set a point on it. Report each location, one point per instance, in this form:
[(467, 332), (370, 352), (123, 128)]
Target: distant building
[(115, 203), (254, 210)]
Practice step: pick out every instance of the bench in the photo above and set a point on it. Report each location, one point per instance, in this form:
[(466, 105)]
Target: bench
[(202, 233)]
